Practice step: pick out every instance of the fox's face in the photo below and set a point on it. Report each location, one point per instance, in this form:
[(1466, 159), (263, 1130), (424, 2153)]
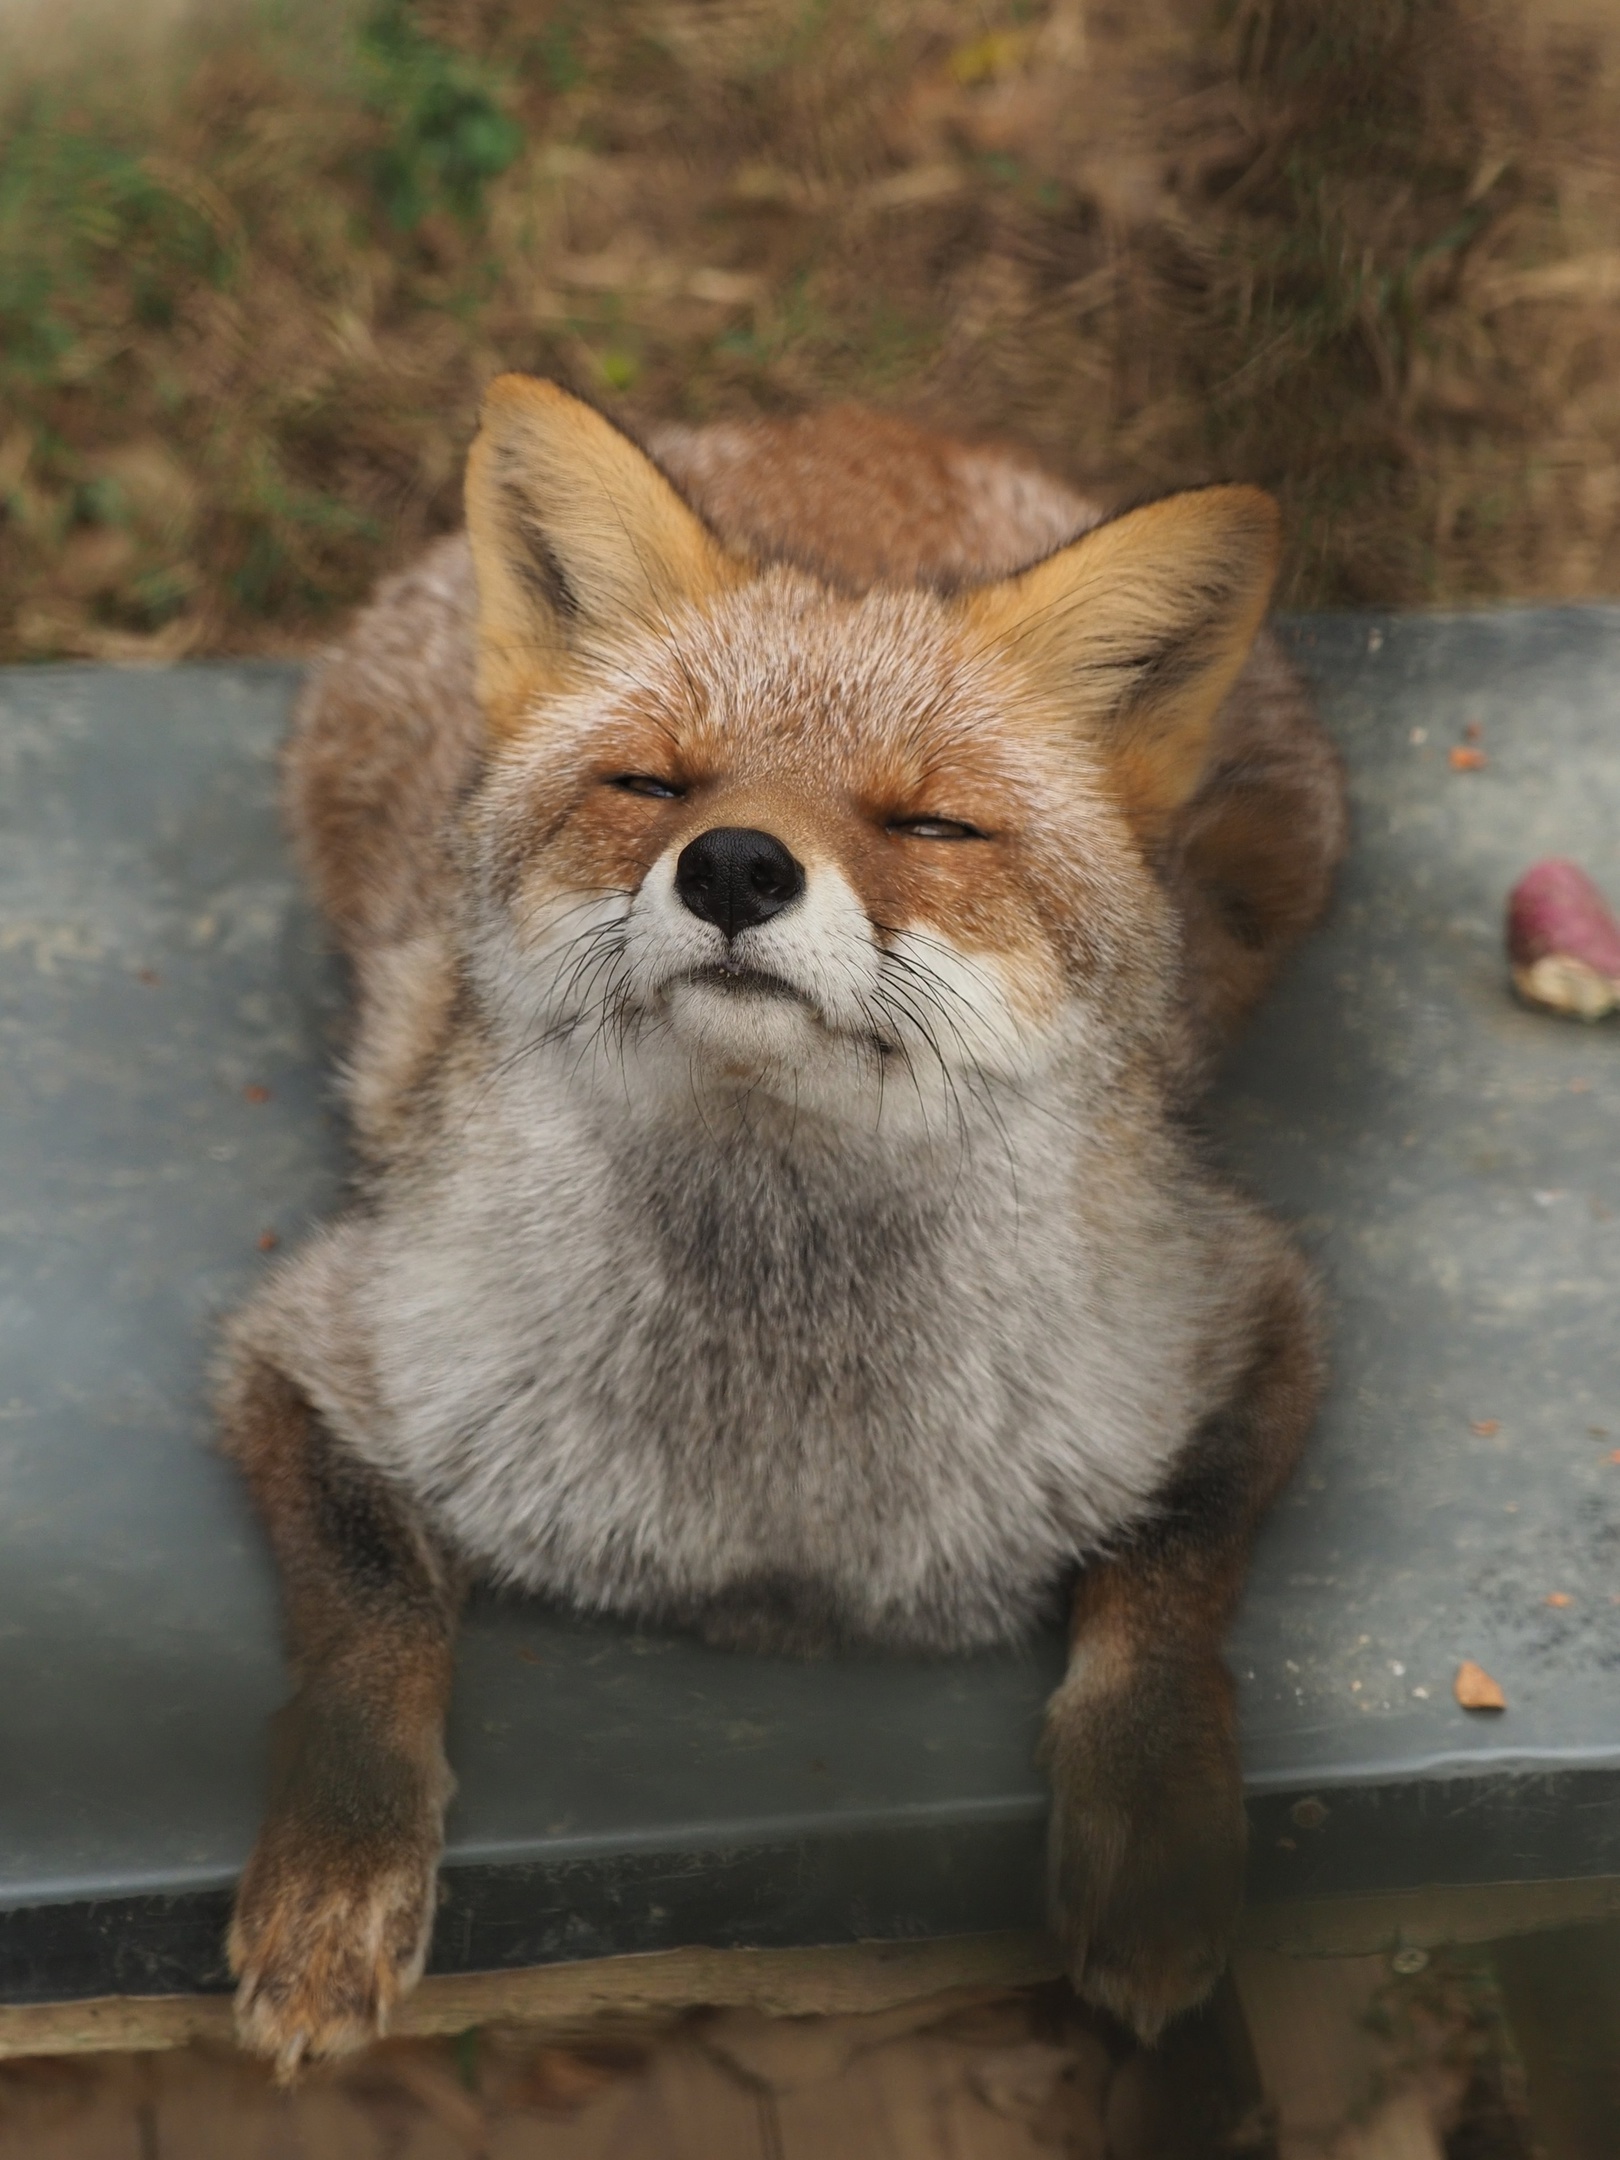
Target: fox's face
[(804, 843), (744, 832)]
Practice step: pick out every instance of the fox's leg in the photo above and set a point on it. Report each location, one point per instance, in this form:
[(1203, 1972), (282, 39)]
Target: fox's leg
[(1148, 1833), (334, 1910)]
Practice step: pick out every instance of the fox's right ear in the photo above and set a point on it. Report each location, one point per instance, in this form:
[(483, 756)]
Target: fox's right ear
[(578, 541), (1138, 630)]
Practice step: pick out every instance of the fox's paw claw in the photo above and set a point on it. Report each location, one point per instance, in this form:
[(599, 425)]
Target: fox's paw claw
[(1147, 1844), (321, 1958)]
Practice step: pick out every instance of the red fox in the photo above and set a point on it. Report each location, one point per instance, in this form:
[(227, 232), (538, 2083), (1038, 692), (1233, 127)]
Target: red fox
[(796, 875)]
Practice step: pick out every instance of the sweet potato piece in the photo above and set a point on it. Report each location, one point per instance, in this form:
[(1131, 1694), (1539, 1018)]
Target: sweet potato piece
[(1563, 942)]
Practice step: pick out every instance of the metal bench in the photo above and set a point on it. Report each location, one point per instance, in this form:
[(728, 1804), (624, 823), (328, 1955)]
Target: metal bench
[(167, 1022)]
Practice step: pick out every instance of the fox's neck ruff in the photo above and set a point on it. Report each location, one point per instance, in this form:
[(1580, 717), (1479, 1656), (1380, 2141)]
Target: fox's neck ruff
[(666, 1352), (854, 1127), (786, 1250)]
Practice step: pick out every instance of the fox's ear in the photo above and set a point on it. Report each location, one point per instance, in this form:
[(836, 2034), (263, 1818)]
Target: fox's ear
[(578, 541), (1138, 629)]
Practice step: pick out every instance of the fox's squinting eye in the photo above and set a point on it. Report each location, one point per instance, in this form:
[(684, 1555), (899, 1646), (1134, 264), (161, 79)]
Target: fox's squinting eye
[(935, 828), (640, 783)]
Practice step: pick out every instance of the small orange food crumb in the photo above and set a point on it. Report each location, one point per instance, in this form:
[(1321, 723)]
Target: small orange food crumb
[(1475, 1689), (268, 1241), (254, 1093), (1614, 1454), (1559, 1597), (1486, 1427), (1464, 759)]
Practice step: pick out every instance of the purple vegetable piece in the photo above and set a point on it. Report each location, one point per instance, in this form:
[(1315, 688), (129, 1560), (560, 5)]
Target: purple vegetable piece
[(1563, 941)]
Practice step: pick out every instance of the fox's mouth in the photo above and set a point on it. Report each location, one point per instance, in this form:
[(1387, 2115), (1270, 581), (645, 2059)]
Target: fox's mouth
[(749, 985), (746, 983)]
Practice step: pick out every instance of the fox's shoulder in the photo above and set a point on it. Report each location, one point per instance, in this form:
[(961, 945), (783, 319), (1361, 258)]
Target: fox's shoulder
[(865, 498)]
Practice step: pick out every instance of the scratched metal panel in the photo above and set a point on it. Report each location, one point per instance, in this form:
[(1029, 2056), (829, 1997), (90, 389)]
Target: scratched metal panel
[(157, 969)]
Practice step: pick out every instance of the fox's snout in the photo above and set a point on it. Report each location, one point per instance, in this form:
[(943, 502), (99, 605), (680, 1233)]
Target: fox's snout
[(737, 877)]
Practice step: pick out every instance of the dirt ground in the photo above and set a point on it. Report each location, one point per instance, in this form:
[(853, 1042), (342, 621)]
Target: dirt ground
[(1011, 2078), (258, 257), (1019, 2075)]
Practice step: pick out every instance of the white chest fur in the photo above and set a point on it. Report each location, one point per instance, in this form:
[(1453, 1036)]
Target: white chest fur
[(850, 1394)]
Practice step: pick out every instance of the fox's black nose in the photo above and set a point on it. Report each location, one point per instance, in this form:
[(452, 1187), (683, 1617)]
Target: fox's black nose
[(735, 877)]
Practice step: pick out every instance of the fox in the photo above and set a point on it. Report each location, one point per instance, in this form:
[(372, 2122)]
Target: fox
[(797, 876)]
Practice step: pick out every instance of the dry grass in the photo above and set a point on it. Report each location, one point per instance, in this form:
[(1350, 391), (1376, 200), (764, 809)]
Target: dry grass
[(255, 269)]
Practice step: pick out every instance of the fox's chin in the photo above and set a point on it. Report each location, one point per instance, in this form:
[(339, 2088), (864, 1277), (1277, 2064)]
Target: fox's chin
[(746, 1025)]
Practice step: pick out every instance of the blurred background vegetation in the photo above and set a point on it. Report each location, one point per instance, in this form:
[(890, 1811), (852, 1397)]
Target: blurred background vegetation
[(258, 257)]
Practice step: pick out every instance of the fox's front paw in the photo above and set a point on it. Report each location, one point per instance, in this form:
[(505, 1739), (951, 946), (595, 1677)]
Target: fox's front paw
[(321, 1958), (1147, 1838), (323, 1944)]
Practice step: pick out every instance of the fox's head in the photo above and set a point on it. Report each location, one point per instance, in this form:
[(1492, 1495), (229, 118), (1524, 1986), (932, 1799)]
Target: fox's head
[(742, 831)]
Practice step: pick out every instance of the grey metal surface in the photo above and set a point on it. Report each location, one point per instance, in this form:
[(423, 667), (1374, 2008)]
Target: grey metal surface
[(1449, 1156), (1454, 1160)]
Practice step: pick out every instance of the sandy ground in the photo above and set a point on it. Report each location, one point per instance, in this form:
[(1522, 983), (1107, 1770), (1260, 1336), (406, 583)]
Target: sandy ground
[(1022, 2074), (1007, 2079)]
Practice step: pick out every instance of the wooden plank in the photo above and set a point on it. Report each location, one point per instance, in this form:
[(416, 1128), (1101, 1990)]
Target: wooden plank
[(840, 1978), (835, 1979), (1425, 1918)]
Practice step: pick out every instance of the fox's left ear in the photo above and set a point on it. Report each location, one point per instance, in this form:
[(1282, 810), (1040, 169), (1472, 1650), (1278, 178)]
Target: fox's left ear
[(1138, 629), (578, 542)]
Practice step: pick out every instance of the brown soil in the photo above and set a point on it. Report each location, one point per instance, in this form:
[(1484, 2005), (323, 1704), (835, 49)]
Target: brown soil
[(1016, 2075), (255, 270), (1019, 2077)]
